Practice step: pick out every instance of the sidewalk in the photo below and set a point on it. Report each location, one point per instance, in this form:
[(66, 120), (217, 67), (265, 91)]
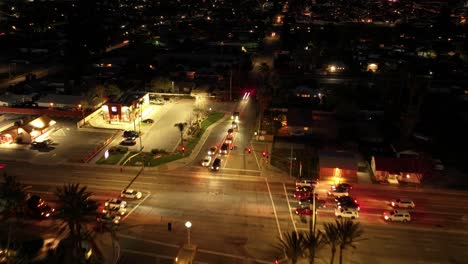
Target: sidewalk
[(107, 247)]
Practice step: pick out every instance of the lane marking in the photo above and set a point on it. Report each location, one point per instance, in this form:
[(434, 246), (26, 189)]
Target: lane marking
[(136, 206), (290, 209), (274, 209), (148, 241)]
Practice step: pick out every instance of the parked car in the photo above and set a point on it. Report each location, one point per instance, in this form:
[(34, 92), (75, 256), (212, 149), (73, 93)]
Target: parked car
[(346, 213), (211, 151), (206, 161), (39, 145), (397, 215), (108, 219), (302, 195), (131, 134), (319, 203), (348, 203), (216, 164), (115, 203), (403, 203), (148, 121), (342, 186), (304, 188), (131, 194)]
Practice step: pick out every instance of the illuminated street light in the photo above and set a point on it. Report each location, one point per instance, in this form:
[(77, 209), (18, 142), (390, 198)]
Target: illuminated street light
[(188, 225)]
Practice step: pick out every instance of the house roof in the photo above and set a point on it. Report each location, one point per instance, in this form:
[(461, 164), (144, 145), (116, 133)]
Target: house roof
[(402, 164), (337, 159)]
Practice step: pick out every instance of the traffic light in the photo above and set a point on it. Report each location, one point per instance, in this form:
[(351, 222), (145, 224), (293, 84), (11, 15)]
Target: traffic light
[(183, 149), (249, 150), (264, 153), (276, 261)]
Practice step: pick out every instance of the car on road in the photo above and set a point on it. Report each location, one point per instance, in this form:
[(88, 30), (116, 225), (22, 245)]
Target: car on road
[(108, 219), (206, 161), (235, 116), (148, 121), (304, 188), (224, 149), (230, 131), (302, 195), (118, 210), (338, 192), (128, 142), (307, 182), (41, 144), (346, 213), (348, 202), (303, 211), (397, 215), (115, 203), (216, 164), (131, 194), (38, 207), (403, 203), (229, 139), (319, 203), (234, 125), (211, 151), (130, 134), (341, 186)]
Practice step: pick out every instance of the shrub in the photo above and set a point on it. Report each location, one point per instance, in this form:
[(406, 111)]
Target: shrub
[(158, 151)]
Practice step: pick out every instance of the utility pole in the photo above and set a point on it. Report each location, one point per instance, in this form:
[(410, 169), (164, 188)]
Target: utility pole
[(313, 209), (230, 86), (291, 158)]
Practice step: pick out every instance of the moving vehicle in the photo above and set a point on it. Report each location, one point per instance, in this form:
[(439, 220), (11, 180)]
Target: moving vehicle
[(234, 125), (346, 213), (41, 144), (303, 211), (338, 192), (235, 116), (148, 121), (403, 203), (307, 182), (347, 202), (38, 207), (128, 142), (211, 151), (224, 149), (206, 161), (228, 139), (341, 186), (397, 215), (230, 131), (216, 164), (319, 203), (130, 134), (300, 195), (115, 203), (118, 210), (130, 193), (108, 219)]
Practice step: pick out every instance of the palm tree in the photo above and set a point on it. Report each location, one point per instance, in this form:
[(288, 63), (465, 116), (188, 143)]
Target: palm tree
[(13, 195), (75, 209), (313, 242), (349, 232), (332, 238), (181, 127), (293, 246)]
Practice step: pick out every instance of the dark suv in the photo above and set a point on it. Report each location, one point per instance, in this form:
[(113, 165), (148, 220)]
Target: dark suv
[(131, 134), (224, 149), (216, 164)]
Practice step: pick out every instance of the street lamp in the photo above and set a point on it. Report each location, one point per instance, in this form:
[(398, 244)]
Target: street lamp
[(188, 224)]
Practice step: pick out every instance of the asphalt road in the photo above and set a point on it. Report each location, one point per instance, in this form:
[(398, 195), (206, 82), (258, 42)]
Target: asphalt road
[(239, 212)]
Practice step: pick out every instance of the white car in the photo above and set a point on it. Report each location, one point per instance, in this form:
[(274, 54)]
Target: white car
[(307, 182), (403, 203), (118, 211), (132, 194), (338, 192), (397, 215), (113, 204), (346, 213), (206, 161)]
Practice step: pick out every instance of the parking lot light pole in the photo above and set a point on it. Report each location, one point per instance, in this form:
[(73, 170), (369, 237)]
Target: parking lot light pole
[(188, 224)]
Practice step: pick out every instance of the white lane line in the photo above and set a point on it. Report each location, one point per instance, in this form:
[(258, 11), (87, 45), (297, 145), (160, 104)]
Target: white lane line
[(148, 241), (274, 209), (136, 206), (255, 156), (290, 209)]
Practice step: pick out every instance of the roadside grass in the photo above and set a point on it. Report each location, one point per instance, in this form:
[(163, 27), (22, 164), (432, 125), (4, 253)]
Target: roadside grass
[(113, 158), (149, 159)]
